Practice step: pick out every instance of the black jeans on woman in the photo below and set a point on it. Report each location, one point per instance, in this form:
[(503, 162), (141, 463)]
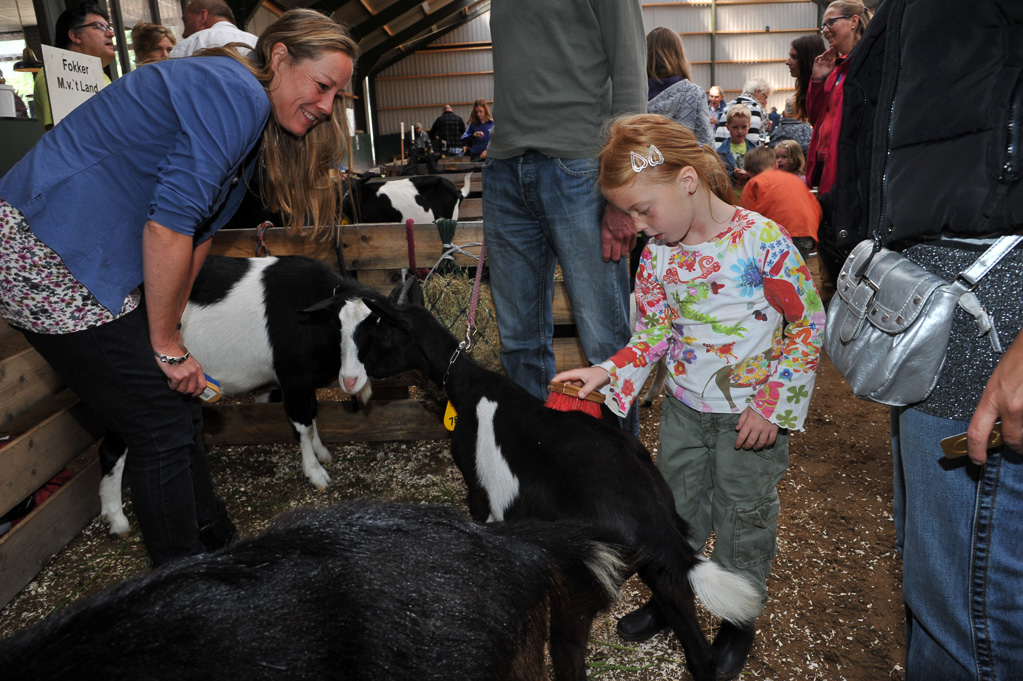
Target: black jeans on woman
[(112, 370)]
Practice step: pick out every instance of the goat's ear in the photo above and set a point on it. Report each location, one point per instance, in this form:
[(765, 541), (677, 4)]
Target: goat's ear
[(321, 309), (387, 312), (409, 292)]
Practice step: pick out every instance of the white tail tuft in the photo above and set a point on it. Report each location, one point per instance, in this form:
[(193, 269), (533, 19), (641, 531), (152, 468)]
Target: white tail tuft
[(726, 594), (607, 567), (465, 185)]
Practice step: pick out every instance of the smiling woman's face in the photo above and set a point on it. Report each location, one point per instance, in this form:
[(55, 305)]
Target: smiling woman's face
[(303, 92), (841, 34)]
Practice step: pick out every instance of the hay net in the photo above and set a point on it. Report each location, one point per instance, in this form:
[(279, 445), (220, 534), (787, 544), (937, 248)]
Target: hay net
[(447, 290)]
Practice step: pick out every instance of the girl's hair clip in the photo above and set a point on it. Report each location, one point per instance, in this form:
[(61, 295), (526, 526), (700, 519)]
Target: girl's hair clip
[(654, 158)]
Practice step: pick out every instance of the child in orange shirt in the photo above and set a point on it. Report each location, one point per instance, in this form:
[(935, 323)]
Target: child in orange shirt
[(782, 197)]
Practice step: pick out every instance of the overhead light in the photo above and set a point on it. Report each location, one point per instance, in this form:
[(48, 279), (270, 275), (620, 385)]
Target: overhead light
[(28, 62)]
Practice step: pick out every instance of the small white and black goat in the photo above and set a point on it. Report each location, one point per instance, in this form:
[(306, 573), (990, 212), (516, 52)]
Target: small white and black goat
[(245, 324), (360, 592), (521, 459)]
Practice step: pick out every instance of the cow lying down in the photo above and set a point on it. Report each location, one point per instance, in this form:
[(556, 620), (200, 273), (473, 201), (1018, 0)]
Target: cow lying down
[(362, 591)]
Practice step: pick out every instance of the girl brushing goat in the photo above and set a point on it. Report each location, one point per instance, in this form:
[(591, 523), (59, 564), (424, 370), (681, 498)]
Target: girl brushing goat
[(724, 293)]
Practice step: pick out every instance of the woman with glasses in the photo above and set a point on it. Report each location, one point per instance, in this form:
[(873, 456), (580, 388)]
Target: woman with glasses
[(83, 28), (843, 25), (103, 236)]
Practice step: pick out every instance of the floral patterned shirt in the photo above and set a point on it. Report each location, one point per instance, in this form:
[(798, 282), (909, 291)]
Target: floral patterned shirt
[(738, 317), (37, 292)]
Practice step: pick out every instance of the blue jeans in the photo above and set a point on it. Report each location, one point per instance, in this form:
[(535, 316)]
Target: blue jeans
[(960, 532), (538, 212), (111, 368)]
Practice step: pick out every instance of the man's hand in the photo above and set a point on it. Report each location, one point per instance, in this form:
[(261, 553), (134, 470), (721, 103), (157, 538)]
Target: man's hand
[(617, 234)]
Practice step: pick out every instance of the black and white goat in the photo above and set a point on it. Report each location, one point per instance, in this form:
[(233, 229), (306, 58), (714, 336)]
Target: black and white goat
[(521, 459), (422, 198), (245, 325), (360, 592)]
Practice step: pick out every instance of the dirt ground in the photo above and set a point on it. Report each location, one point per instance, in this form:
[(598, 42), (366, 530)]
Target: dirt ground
[(835, 611)]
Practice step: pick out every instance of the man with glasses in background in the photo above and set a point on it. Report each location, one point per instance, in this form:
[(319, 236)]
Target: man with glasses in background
[(83, 28)]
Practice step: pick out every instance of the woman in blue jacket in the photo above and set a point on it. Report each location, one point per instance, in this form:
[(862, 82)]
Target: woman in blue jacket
[(103, 236), (477, 135)]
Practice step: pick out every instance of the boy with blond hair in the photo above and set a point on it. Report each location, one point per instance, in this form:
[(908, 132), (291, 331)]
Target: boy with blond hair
[(734, 149)]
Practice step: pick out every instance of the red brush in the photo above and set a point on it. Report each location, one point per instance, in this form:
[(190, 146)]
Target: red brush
[(565, 397)]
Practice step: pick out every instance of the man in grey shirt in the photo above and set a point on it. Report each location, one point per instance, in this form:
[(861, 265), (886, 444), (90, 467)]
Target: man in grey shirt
[(561, 70)]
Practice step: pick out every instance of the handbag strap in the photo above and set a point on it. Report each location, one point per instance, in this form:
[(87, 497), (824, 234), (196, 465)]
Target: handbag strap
[(988, 259)]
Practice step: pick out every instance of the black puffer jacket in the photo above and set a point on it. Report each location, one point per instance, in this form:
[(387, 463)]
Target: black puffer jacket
[(932, 124)]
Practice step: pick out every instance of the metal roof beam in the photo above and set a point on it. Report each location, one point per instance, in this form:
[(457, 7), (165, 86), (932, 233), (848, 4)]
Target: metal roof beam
[(418, 44), (384, 17), (368, 60)]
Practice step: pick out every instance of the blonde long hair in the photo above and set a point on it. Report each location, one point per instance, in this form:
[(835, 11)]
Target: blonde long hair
[(795, 154), (666, 55), (145, 37), (677, 144), (300, 175)]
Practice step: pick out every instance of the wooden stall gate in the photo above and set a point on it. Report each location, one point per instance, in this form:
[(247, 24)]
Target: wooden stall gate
[(46, 429)]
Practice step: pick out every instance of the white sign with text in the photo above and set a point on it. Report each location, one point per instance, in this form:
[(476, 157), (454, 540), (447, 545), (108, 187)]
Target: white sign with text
[(71, 78)]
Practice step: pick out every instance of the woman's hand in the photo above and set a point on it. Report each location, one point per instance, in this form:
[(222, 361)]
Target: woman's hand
[(1002, 400), (478, 133), (587, 379), (755, 432), (824, 64), (187, 377), (169, 266)]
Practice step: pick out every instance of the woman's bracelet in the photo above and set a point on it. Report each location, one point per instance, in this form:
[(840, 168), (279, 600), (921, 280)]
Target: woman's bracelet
[(172, 360)]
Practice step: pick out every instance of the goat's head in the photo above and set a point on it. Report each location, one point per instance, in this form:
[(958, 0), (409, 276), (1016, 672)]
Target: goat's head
[(377, 339)]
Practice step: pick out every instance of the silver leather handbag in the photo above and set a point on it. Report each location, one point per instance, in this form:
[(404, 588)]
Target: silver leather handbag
[(889, 322)]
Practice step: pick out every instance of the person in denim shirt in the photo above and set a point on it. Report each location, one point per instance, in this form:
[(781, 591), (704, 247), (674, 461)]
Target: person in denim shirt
[(87, 219)]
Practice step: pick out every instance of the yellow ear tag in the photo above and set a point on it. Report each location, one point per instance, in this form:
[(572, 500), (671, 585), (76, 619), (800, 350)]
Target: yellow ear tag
[(450, 417)]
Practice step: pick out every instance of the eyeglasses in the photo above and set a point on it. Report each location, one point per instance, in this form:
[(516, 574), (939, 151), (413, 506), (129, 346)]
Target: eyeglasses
[(828, 23), (105, 28)]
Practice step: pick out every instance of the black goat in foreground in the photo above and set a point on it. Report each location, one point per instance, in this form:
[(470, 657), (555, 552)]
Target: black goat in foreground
[(521, 459), (357, 592)]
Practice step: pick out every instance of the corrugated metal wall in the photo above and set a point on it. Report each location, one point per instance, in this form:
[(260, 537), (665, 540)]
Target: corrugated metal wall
[(260, 20), (457, 70), (751, 38)]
